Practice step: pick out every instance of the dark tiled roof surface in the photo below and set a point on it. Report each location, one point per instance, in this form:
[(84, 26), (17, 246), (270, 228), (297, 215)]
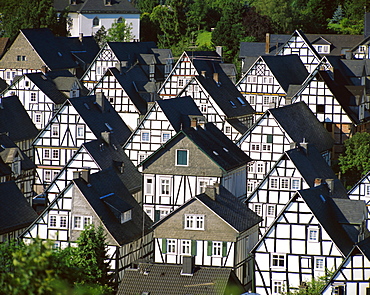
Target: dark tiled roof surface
[(338, 42), (97, 118), (364, 246), (301, 125), (107, 182), (96, 6), (16, 213), (15, 121), (129, 51), (163, 279)]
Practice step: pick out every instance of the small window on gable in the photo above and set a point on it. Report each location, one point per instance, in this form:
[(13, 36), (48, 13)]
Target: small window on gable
[(166, 136), (95, 21), (320, 108), (126, 216), (258, 209), (313, 234), (367, 190), (319, 263), (182, 157), (194, 221), (145, 136), (270, 210), (269, 138), (33, 97)]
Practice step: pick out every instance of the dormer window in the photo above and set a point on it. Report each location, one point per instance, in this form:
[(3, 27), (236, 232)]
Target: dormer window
[(126, 216), (362, 48), (323, 49), (182, 158), (108, 2), (96, 21)]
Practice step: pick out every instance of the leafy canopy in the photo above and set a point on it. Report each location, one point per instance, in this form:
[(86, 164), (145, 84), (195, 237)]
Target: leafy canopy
[(120, 32)]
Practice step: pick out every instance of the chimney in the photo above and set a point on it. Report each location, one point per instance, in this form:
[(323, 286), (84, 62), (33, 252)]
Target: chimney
[(293, 145), (76, 174), (105, 136), (288, 101), (188, 265), (193, 122), (330, 183), (212, 191), (304, 145), (99, 100), (80, 37), (215, 77), (267, 44), (317, 182), (348, 54), (85, 175), (219, 50), (204, 73), (44, 69)]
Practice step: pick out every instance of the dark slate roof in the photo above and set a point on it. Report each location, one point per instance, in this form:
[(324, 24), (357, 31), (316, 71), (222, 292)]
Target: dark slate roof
[(177, 111), (96, 6), (364, 247), (47, 86), (165, 279), (15, 121), (212, 142), (107, 183), (113, 155), (331, 217), (287, 69), (64, 81), (301, 125), (128, 80), (223, 92), (258, 48), (161, 54), (16, 213), (130, 51), (8, 149), (97, 117), (50, 49), (204, 60)]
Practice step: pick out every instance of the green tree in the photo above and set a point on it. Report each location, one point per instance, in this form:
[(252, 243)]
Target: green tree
[(101, 36), (148, 30), (146, 6), (355, 161), (120, 32)]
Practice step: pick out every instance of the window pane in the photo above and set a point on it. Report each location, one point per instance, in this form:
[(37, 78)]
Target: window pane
[(182, 157)]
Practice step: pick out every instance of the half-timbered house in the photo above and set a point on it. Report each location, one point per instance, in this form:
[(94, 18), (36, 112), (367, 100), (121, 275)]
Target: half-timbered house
[(361, 190), (103, 200), (220, 102), (156, 63), (43, 94), (268, 81), (163, 120), (15, 122), (314, 232), (352, 276), (183, 166), (16, 213), (299, 168), (79, 120), (214, 227), (97, 155), (267, 140)]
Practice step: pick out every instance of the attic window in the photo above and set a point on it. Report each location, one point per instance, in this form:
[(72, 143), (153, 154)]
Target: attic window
[(21, 57), (182, 158), (126, 216), (242, 102), (232, 103)]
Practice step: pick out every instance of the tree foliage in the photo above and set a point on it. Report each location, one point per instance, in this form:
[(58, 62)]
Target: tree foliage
[(120, 32), (101, 36), (355, 161)]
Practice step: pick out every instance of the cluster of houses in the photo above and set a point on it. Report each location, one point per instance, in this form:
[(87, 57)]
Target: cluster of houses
[(204, 184)]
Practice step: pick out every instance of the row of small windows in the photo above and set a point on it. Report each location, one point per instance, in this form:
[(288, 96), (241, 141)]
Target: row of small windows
[(145, 136), (189, 247), (80, 131), (61, 221), (285, 183), (264, 79), (279, 261), (267, 100), (96, 21)]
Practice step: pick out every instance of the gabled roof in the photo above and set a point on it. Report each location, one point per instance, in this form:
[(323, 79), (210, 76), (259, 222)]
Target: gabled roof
[(105, 184), (287, 69), (301, 125), (15, 121), (177, 111), (129, 51), (226, 95), (165, 279), (96, 6), (64, 81), (212, 142), (99, 118), (338, 42), (228, 207), (204, 60), (16, 212), (49, 48)]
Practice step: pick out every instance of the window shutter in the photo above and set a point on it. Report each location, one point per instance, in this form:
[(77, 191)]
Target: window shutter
[(164, 246), (209, 248), (224, 249), (193, 247), (269, 138), (157, 215)]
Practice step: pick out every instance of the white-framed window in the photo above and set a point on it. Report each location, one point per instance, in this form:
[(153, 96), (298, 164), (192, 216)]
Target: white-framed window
[(194, 221), (55, 173), (267, 80), (33, 97), (277, 287), (63, 222), (47, 175), (186, 247), (319, 263), (284, 183), (55, 130), (180, 83), (182, 157), (171, 246), (313, 234), (274, 183), (266, 147), (165, 136), (270, 210), (80, 131), (26, 83), (227, 129), (251, 99), (79, 222), (96, 21), (202, 184), (126, 216), (141, 157), (52, 221), (367, 190), (145, 136), (258, 209), (251, 167), (163, 212), (217, 249), (58, 221), (277, 260), (295, 184), (149, 185), (362, 48), (260, 168), (255, 147), (266, 100), (55, 154), (47, 154), (252, 79), (37, 118), (203, 108), (165, 186)]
